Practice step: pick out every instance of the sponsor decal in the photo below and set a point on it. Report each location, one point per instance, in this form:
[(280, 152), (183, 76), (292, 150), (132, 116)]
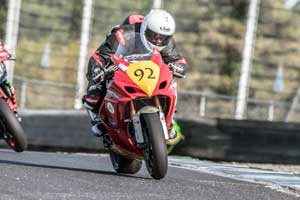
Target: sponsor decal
[(110, 108), (165, 29), (122, 67)]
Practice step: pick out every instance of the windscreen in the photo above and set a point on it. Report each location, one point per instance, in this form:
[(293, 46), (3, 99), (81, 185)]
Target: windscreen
[(133, 49)]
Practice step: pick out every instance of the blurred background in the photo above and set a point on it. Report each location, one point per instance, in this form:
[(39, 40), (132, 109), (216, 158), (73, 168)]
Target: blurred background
[(239, 52)]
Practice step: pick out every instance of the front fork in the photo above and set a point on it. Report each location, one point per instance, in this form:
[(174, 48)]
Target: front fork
[(9, 95), (132, 108), (148, 109)]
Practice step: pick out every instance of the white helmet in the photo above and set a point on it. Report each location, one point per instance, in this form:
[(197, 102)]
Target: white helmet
[(158, 28)]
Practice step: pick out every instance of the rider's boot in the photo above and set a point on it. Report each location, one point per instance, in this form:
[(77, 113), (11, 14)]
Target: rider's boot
[(98, 128)]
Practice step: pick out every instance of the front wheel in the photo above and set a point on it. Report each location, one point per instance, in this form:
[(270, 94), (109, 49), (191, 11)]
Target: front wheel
[(11, 128), (156, 157)]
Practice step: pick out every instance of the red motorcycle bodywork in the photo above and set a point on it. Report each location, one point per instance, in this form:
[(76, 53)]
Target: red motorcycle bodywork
[(4, 56), (114, 109)]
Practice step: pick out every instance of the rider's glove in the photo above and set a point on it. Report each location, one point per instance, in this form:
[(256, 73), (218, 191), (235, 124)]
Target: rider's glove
[(177, 69), (98, 75), (109, 71)]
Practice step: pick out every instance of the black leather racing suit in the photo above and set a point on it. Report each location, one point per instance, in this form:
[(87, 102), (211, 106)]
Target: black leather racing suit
[(102, 57)]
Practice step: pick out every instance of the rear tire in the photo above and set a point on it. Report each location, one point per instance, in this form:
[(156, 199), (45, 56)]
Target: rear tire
[(124, 165), (11, 128), (156, 156)]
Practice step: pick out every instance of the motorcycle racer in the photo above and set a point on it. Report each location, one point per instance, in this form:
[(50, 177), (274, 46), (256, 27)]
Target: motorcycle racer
[(6, 86), (156, 30)]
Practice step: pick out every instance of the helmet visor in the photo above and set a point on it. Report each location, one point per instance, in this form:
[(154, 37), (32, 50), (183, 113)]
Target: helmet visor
[(156, 38)]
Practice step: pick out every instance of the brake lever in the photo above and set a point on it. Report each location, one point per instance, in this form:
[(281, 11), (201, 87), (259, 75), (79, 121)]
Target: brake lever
[(10, 57), (178, 75), (110, 69)]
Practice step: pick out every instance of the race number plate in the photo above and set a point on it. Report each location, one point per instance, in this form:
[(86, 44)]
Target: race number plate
[(144, 74)]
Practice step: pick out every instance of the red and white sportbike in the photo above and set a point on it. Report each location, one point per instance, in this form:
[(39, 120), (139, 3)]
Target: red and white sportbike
[(138, 108), (10, 128)]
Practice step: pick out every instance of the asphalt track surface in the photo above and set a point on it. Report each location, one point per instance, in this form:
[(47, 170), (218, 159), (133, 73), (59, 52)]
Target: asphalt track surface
[(51, 176)]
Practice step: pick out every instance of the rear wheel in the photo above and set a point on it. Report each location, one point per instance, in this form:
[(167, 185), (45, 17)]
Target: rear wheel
[(156, 156), (11, 128), (124, 165)]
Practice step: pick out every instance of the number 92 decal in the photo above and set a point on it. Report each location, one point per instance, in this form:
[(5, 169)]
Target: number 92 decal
[(147, 73)]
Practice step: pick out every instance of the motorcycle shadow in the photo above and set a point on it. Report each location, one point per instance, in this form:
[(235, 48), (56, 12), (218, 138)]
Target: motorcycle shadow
[(27, 164)]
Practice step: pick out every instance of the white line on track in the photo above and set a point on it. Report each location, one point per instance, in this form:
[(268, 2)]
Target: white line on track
[(279, 181)]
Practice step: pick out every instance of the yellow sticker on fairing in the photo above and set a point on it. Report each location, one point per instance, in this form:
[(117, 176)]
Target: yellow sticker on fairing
[(144, 74)]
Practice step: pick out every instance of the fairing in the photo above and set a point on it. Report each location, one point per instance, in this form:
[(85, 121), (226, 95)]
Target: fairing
[(128, 85)]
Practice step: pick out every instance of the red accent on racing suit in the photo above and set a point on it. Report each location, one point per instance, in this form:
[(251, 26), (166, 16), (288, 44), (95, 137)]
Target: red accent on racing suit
[(135, 18), (119, 34)]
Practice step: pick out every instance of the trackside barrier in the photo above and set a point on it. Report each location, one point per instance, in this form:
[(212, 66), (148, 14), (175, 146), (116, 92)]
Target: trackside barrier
[(244, 141), (59, 131), (215, 139)]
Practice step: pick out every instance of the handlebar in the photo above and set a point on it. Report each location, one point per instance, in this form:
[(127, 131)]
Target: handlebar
[(178, 75), (7, 57), (110, 69)]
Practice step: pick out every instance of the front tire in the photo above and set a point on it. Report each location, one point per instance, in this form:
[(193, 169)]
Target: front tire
[(11, 128), (156, 156), (124, 165)]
